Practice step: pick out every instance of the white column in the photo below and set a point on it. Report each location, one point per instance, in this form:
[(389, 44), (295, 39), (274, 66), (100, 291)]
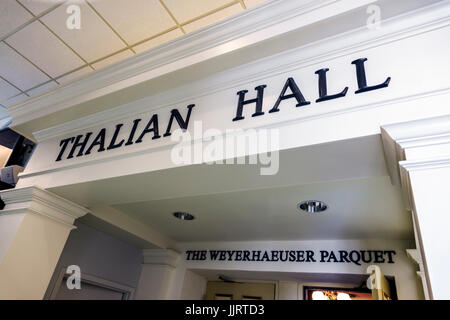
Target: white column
[(160, 276), (34, 226), (418, 157)]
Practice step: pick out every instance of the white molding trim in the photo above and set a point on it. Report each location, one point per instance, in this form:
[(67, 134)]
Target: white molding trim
[(416, 256), (425, 164), (161, 257), (399, 27), (42, 203), (400, 137), (127, 291), (55, 131), (269, 20)]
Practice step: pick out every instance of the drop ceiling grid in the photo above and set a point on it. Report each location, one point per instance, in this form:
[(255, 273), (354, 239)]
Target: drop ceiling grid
[(179, 15)]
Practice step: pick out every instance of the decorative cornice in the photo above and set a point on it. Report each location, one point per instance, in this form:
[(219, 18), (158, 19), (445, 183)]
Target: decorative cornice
[(43, 203), (398, 138), (269, 20), (414, 255), (407, 147), (425, 164), (161, 257), (399, 27)]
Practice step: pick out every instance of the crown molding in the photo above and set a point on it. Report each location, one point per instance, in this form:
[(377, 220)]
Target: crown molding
[(161, 257), (407, 148), (403, 26), (271, 19), (401, 137), (43, 203)]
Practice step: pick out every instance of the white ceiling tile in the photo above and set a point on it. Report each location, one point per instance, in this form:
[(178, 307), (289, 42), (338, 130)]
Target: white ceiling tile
[(14, 100), (38, 6), (135, 20), (18, 70), (210, 19), (252, 3), (12, 15), (190, 9), (5, 118), (7, 90), (74, 75), (115, 58), (93, 40), (42, 88), (35, 42), (158, 40)]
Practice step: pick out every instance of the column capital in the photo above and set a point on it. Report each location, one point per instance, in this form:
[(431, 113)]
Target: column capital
[(43, 203), (161, 257), (415, 145)]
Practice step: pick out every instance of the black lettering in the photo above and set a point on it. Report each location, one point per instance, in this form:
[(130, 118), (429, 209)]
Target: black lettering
[(283, 259), (362, 80), (332, 256), (182, 123), (379, 256), (291, 256), (152, 126), (343, 256), (390, 254), (364, 258), (98, 141), (242, 102), (238, 255), (246, 255), (300, 256), (310, 256), (113, 144), (133, 131), (275, 256), (213, 254), (356, 260), (256, 255), (323, 87), (323, 254), (223, 256), (63, 144), (77, 144), (296, 93)]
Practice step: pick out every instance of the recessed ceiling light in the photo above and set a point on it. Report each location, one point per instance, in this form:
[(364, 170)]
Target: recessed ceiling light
[(312, 206), (183, 216)]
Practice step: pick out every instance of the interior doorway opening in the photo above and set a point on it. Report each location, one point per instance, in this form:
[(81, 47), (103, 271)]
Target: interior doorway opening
[(257, 285)]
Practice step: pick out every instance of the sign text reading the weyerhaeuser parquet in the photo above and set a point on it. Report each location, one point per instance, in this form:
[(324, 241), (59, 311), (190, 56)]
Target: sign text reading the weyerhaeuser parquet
[(357, 257)]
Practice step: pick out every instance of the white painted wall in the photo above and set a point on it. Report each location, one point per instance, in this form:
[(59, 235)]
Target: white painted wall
[(9, 224), (430, 190), (194, 286), (100, 255), (288, 290)]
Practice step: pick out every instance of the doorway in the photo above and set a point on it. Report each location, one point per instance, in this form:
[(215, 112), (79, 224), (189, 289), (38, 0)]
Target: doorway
[(220, 290)]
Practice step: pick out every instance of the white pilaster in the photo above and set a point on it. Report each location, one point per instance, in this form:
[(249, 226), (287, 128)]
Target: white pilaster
[(418, 158), (159, 275), (38, 223)]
